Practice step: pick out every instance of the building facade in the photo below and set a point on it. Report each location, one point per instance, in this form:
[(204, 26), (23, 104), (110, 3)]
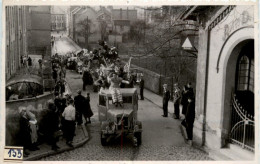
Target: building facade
[(39, 32), (16, 38), (225, 76), (58, 18), (25, 34), (122, 20)]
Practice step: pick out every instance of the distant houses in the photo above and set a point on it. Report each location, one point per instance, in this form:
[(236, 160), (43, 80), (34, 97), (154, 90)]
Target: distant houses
[(88, 24), (58, 18)]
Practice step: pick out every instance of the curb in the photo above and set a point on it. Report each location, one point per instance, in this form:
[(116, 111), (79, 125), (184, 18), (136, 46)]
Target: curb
[(52, 152)]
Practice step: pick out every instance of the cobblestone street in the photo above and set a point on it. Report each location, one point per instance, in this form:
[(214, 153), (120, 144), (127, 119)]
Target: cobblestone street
[(161, 138)]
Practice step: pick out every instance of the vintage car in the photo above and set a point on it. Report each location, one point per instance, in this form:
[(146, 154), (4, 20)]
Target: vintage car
[(119, 121)]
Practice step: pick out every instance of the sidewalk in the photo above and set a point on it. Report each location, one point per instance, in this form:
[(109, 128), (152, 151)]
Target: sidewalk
[(157, 100), (45, 150)]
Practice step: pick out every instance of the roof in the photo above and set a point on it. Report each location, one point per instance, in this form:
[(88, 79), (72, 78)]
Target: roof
[(118, 14), (24, 78), (58, 10), (103, 10), (124, 92)]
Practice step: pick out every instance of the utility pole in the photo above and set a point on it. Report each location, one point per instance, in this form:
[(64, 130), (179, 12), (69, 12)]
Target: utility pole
[(87, 32)]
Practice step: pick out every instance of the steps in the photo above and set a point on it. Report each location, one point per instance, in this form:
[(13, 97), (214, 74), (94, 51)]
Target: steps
[(233, 153)]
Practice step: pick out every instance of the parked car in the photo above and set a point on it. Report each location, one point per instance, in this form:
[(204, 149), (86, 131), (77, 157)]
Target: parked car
[(118, 121)]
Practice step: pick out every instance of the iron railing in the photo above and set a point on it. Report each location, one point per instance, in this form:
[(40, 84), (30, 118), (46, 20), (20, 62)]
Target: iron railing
[(242, 126)]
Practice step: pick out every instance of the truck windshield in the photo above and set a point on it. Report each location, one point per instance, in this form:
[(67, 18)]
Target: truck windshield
[(126, 99)]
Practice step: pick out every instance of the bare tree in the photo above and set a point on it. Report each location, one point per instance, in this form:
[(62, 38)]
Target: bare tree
[(163, 40), (103, 29), (85, 27), (137, 31)]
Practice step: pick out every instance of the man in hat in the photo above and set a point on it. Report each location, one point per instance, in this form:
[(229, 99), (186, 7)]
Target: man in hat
[(176, 101), (166, 98), (79, 102)]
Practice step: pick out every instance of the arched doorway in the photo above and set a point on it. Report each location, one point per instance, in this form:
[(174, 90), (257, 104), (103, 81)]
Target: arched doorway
[(238, 116)]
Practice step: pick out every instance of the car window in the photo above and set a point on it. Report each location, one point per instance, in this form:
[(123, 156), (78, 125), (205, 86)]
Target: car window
[(102, 100)]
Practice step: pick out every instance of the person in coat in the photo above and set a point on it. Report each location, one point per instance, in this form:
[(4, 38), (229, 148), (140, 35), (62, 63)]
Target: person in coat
[(69, 122), (79, 102), (29, 61), (87, 112), (25, 131), (142, 88), (51, 122), (85, 79), (190, 117), (184, 100), (166, 98), (176, 101)]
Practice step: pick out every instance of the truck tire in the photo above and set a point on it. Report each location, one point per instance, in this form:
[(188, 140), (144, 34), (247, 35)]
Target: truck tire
[(103, 140), (138, 136)]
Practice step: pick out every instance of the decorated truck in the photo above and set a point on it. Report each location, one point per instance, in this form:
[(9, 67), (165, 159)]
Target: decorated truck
[(119, 121)]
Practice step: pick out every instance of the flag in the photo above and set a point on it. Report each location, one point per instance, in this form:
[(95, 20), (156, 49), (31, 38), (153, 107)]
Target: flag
[(127, 66)]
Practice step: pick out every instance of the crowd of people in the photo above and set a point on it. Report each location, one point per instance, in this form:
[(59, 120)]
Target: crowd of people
[(186, 100), (59, 119)]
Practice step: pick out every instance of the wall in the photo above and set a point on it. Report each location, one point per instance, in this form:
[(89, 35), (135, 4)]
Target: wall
[(115, 38), (118, 14), (219, 75), (16, 41), (36, 105), (39, 32)]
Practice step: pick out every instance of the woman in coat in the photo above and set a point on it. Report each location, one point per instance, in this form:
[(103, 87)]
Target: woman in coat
[(88, 112)]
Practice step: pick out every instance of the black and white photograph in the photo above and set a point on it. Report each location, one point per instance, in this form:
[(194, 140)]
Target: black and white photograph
[(130, 82)]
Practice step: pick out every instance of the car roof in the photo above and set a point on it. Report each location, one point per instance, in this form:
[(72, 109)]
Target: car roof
[(25, 78), (124, 91)]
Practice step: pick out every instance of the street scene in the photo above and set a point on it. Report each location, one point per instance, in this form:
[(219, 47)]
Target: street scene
[(130, 83)]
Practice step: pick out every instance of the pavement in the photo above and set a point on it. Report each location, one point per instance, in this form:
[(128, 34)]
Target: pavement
[(162, 138), (45, 150)]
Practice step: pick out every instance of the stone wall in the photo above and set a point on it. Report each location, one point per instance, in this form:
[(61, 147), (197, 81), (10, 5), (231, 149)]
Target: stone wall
[(37, 106), (153, 81)]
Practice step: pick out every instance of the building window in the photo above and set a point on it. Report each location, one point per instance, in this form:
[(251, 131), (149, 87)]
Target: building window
[(121, 28), (243, 74)]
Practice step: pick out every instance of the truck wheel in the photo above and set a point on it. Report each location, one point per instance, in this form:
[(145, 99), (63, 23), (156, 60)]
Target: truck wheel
[(138, 136), (103, 140)]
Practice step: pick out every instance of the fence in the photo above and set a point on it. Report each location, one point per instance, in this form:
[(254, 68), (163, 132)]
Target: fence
[(242, 126)]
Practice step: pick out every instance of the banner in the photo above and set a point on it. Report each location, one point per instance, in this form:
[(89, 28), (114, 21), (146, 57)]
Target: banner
[(127, 66)]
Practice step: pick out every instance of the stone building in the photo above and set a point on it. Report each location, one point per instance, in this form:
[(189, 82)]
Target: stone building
[(122, 20), (225, 116), (16, 41), (39, 30), (58, 18), (25, 34)]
